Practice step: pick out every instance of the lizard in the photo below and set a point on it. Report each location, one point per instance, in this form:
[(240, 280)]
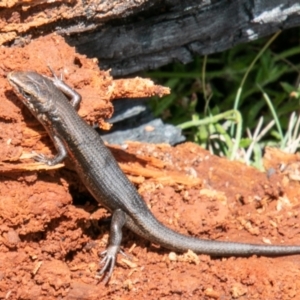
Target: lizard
[(55, 105)]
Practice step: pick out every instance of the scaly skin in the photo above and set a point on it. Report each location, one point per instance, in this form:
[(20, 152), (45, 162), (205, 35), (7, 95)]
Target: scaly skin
[(99, 171)]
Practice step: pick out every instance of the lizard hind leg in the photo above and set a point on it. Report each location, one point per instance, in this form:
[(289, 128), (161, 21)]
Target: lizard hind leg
[(115, 239)]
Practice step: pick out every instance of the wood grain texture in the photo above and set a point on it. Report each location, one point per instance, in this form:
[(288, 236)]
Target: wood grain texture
[(131, 36)]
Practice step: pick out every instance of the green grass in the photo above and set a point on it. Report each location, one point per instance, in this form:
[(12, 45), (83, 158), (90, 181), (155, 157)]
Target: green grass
[(237, 102)]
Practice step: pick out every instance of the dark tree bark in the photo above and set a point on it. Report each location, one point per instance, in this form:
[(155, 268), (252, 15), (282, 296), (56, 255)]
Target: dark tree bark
[(176, 30), (130, 36)]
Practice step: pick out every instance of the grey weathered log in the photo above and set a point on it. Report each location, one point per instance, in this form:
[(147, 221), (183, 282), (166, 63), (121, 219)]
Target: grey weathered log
[(168, 31)]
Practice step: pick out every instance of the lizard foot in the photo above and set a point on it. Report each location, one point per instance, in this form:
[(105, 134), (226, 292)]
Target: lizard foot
[(108, 262), (42, 158)]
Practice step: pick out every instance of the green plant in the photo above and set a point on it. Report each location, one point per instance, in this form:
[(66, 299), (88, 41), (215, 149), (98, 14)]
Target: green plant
[(219, 100)]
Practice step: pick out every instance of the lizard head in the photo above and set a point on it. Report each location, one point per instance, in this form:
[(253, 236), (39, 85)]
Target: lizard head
[(32, 88), (36, 92)]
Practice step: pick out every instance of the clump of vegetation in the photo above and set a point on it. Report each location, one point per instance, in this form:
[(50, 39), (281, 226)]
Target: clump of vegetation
[(237, 102)]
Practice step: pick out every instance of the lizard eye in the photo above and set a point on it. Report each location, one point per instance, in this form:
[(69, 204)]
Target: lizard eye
[(26, 95)]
